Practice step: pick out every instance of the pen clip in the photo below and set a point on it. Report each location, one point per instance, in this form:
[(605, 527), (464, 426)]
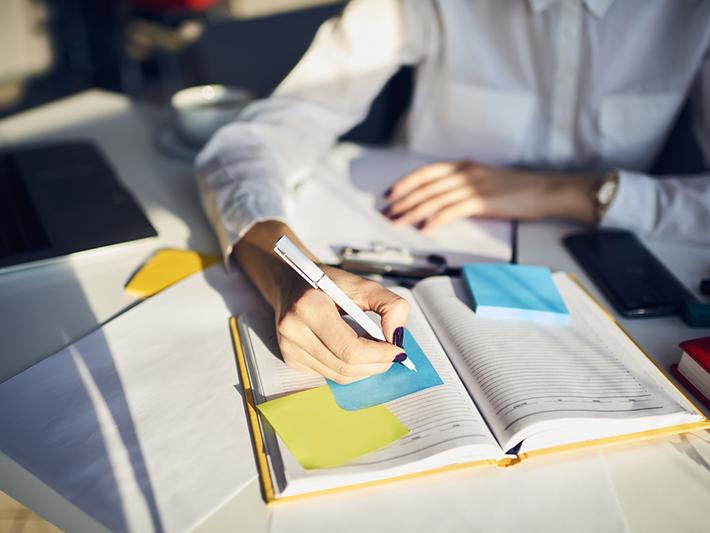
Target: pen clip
[(293, 265)]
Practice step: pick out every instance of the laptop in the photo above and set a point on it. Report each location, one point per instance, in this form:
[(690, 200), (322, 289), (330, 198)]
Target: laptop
[(59, 199)]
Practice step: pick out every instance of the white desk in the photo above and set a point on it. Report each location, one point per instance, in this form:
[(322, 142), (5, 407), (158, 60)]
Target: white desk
[(70, 298), (661, 486)]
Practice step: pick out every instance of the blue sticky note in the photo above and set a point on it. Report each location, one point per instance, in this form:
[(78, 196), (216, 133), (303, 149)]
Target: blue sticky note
[(502, 290), (398, 381)]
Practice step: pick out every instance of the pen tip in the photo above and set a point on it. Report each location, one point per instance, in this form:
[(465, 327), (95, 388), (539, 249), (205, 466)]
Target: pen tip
[(409, 364)]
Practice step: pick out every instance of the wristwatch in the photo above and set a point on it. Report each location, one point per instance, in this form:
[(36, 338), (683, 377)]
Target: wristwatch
[(604, 193)]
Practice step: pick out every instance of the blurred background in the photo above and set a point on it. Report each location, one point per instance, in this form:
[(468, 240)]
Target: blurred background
[(149, 49)]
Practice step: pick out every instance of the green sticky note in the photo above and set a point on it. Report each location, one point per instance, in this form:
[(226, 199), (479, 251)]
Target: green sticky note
[(320, 434)]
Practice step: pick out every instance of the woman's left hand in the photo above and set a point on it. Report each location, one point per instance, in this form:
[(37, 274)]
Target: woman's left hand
[(438, 193)]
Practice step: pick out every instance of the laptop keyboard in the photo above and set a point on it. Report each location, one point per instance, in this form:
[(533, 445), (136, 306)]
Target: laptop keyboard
[(21, 229)]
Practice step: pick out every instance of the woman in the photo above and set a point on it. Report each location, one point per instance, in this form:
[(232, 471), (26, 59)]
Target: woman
[(582, 91)]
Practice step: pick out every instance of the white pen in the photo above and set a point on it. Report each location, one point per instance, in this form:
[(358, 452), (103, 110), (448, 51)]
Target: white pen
[(317, 279)]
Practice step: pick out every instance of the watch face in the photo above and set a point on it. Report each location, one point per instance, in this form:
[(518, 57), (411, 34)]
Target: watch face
[(606, 192)]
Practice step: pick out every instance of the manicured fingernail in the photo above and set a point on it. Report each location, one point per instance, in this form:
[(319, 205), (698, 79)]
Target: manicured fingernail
[(395, 216), (398, 337), (385, 210), (420, 224), (401, 357), (388, 192)]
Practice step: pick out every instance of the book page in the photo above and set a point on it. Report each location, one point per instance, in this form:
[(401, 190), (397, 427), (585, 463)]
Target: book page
[(445, 425), (585, 379)]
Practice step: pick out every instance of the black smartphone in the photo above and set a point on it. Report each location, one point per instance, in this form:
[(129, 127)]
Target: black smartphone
[(632, 278)]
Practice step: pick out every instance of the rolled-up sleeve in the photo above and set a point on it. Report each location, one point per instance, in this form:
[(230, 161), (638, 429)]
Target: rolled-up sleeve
[(670, 206), (249, 166)]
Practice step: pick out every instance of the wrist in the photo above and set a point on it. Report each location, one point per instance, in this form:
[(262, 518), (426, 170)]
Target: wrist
[(255, 254), (572, 197), (604, 194)]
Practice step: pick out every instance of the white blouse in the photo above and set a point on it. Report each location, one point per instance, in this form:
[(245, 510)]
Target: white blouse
[(587, 85)]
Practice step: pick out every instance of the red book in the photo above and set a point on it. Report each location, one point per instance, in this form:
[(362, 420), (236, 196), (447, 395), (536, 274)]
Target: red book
[(163, 5), (693, 369)]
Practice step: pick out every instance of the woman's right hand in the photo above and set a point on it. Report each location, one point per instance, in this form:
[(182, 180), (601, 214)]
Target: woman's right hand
[(312, 335)]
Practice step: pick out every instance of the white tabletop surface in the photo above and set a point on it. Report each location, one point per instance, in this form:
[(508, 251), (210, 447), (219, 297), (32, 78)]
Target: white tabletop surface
[(659, 486)]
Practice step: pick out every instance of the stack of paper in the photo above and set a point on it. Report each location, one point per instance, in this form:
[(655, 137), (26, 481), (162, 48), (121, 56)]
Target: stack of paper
[(139, 424)]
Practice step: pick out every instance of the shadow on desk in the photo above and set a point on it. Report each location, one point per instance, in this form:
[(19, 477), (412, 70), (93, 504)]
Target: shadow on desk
[(112, 457), (102, 407)]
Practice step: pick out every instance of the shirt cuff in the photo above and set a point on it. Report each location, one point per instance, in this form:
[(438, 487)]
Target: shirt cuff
[(634, 204), (231, 227), (231, 240)]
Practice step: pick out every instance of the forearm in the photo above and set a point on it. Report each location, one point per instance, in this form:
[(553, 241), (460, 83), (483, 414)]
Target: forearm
[(312, 335), (255, 254), (571, 196)]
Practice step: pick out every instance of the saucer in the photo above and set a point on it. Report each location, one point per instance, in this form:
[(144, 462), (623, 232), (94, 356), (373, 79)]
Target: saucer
[(171, 143)]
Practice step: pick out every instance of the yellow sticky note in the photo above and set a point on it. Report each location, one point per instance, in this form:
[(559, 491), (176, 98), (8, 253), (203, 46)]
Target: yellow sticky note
[(166, 267), (320, 434)]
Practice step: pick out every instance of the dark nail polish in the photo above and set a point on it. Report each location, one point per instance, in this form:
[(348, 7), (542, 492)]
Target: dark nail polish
[(401, 357), (420, 224), (398, 337), (395, 216), (385, 210), (388, 192)]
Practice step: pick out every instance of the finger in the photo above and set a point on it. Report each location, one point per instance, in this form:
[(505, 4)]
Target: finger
[(300, 359), (420, 176), (467, 208), (433, 205), (357, 350), (393, 309), (347, 365), (315, 314), (426, 191)]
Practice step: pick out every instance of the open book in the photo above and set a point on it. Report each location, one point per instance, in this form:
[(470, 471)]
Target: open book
[(511, 389)]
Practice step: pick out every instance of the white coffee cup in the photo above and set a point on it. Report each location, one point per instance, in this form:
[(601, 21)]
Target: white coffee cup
[(202, 110)]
